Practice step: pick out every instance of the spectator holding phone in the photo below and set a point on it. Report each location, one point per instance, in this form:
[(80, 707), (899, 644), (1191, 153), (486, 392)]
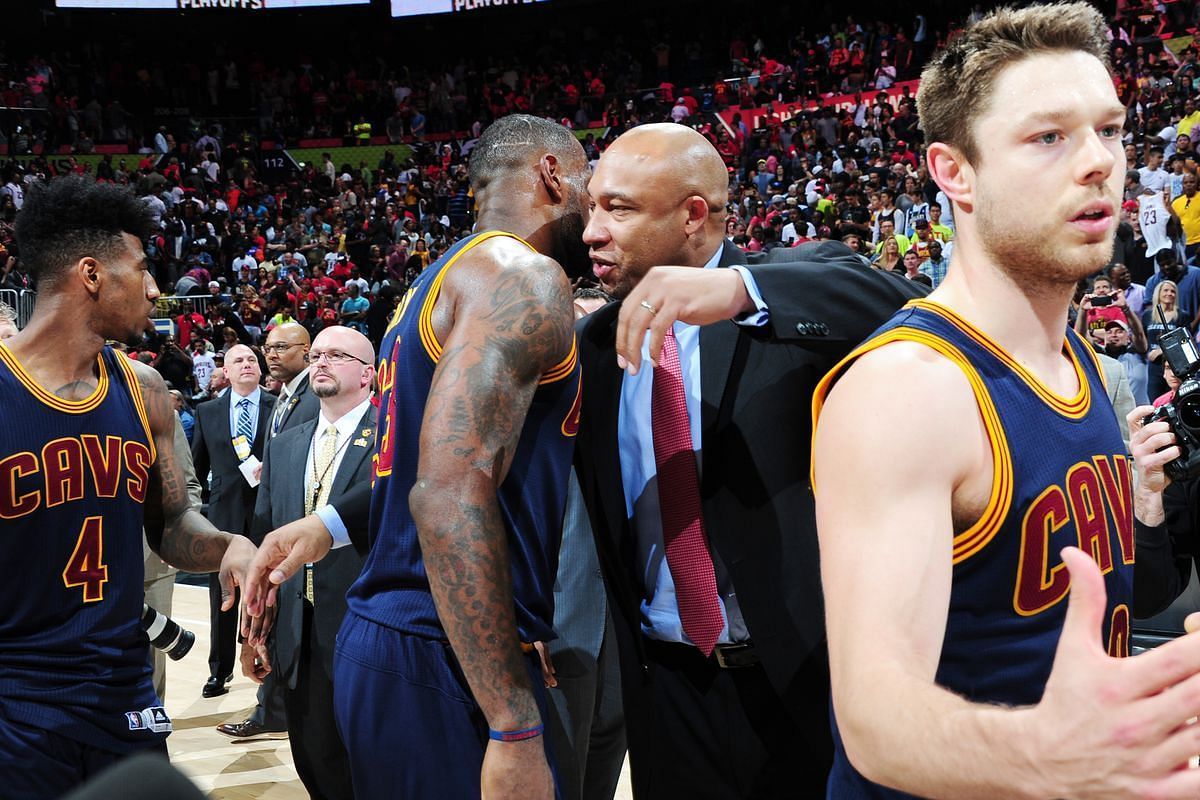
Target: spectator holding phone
[(1101, 306)]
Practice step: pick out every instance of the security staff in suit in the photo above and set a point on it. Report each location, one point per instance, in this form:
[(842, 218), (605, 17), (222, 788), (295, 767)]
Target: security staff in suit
[(695, 474), (336, 450), (286, 350), (286, 353), (230, 431)]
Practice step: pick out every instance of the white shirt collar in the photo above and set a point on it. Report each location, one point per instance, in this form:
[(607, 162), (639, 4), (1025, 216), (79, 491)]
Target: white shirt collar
[(290, 387), (347, 424), (254, 396)]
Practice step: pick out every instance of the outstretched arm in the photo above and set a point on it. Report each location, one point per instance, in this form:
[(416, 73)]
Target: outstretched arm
[(512, 324), (179, 533)]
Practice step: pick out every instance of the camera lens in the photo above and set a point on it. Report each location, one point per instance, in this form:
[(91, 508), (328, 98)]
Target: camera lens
[(1189, 412)]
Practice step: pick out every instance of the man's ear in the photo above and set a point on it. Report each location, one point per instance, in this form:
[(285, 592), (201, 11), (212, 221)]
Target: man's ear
[(549, 171), (88, 271), (951, 171), (697, 213)]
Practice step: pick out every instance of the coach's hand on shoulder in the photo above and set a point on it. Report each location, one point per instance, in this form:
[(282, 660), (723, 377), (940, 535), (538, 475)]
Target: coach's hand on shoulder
[(238, 555), (516, 771), (282, 553), (688, 294), (1114, 727)]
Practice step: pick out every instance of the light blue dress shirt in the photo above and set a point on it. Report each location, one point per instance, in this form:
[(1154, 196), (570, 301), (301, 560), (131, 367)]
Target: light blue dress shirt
[(235, 412), (639, 477)]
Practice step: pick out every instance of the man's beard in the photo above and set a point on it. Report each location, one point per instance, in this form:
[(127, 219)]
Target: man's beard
[(324, 390), (1029, 256)]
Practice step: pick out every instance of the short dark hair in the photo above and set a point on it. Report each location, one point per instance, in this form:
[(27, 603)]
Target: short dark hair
[(956, 84), (73, 217), (591, 293), (511, 142)]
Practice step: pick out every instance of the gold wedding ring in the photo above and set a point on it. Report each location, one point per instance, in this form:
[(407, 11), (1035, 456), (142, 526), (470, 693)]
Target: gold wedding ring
[(649, 307)]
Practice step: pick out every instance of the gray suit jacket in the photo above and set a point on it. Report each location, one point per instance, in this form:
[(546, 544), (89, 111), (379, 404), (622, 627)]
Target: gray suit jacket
[(282, 501), (579, 600)]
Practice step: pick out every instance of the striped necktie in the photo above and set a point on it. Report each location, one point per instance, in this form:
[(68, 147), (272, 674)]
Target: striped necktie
[(243, 421)]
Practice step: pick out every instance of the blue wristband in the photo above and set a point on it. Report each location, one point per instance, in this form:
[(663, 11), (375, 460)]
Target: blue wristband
[(516, 736)]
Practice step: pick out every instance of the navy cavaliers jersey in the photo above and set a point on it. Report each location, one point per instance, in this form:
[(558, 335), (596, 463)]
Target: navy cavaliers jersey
[(1061, 477), (393, 589), (73, 478)]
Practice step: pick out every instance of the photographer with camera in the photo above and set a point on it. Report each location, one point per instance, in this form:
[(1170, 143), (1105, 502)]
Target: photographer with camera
[(1104, 305), (1165, 444)]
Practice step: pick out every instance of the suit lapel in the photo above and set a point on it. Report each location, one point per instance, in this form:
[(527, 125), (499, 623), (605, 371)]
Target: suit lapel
[(295, 454), (292, 402), (717, 344), (266, 408), (606, 378), (221, 424), (355, 453)]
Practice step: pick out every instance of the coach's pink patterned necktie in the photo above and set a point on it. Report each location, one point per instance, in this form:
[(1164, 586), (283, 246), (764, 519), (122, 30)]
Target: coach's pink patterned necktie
[(679, 503)]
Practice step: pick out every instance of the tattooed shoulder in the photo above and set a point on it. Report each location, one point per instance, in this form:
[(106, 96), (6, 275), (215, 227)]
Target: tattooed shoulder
[(530, 302)]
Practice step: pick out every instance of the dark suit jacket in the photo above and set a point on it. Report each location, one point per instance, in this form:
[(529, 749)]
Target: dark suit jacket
[(230, 499), (281, 502), (301, 407), (756, 390)]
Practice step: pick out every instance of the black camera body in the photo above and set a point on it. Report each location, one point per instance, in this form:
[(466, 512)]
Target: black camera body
[(1182, 413)]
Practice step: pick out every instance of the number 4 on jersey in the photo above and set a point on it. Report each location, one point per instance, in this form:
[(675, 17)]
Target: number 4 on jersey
[(86, 566)]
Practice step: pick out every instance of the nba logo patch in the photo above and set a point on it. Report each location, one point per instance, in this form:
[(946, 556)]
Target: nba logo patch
[(153, 719)]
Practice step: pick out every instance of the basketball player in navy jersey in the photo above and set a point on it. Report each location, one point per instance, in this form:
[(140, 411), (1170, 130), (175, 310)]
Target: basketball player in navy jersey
[(978, 580), (979, 600), (438, 688), (86, 456)]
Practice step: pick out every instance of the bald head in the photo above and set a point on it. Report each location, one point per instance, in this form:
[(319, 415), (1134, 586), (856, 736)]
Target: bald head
[(659, 195), (678, 159), (347, 340), (242, 369), (342, 370), (286, 346)]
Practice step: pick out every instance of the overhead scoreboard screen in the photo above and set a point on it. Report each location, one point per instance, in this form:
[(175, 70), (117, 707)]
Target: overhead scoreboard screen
[(410, 8), (187, 5)]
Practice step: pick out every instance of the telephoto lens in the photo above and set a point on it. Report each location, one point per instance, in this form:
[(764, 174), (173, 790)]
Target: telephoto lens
[(166, 634)]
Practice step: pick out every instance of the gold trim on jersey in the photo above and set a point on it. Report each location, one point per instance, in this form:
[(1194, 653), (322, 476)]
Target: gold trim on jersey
[(55, 402), (139, 402), (978, 535), (1091, 351), (425, 321), (562, 369), (1072, 407)]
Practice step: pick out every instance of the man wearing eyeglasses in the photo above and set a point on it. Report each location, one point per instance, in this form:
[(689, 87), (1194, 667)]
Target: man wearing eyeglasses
[(230, 432), (335, 446), (286, 352)]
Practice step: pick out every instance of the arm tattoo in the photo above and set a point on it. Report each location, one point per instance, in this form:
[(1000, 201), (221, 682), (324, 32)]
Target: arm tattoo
[(482, 389), (185, 538)]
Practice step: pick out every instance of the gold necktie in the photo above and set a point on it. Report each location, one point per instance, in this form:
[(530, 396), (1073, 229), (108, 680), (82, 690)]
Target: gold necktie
[(322, 470)]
